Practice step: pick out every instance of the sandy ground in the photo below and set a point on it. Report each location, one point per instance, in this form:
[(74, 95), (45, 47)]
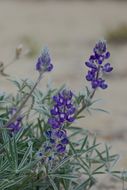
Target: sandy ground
[(70, 30)]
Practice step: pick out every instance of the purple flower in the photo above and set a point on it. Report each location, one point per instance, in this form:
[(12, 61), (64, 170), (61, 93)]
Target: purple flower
[(44, 63), (64, 108), (54, 110), (54, 123), (100, 48), (62, 112), (48, 133), (64, 141), (60, 133), (95, 83), (102, 84), (61, 148), (107, 68), (14, 127), (52, 141), (91, 75), (107, 55), (97, 67), (91, 65), (48, 148)]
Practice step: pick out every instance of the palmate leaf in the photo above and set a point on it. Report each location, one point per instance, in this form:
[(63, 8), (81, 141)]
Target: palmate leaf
[(101, 158), (96, 171), (61, 164), (83, 165), (9, 183), (6, 138), (87, 150)]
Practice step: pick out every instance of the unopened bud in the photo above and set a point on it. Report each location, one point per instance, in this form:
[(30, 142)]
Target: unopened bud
[(19, 51)]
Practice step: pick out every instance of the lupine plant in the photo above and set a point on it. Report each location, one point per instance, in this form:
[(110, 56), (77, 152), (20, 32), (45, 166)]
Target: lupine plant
[(41, 147)]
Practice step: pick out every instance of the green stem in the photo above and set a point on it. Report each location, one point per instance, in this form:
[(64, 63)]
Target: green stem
[(14, 117), (91, 95)]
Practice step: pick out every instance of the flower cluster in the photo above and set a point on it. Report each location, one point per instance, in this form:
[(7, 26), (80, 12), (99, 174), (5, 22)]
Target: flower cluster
[(97, 67), (44, 62), (14, 127), (62, 112)]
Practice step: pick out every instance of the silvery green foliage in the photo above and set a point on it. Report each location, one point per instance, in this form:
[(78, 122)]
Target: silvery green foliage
[(23, 165)]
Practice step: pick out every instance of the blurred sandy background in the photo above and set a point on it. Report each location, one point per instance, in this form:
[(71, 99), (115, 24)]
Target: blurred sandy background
[(70, 30)]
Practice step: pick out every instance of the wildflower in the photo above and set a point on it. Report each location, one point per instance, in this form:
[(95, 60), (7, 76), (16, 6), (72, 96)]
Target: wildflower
[(44, 63), (97, 67), (14, 127), (62, 112)]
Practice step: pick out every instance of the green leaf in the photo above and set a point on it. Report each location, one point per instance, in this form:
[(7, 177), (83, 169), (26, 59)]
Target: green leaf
[(62, 163), (25, 157), (9, 183), (99, 109), (83, 185), (53, 183), (84, 143)]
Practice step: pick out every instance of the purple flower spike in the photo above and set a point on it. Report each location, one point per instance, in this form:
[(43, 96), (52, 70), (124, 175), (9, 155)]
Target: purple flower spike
[(63, 109), (44, 63), (97, 67), (62, 112)]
